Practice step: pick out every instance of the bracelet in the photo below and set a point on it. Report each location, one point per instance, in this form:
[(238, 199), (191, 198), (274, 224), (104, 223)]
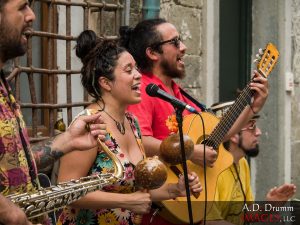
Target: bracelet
[(252, 109)]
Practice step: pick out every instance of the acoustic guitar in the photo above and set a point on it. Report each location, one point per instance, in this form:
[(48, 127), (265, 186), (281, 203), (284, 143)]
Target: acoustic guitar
[(176, 210)]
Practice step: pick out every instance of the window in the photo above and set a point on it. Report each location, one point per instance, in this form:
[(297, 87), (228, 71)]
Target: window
[(48, 76)]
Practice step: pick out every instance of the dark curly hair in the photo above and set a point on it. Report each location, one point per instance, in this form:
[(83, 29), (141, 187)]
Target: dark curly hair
[(137, 40), (99, 58)]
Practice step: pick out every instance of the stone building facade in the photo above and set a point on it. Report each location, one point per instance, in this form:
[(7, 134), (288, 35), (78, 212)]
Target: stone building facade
[(295, 104)]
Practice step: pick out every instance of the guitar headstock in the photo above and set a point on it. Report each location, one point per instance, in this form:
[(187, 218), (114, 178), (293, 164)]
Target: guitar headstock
[(267, 59)]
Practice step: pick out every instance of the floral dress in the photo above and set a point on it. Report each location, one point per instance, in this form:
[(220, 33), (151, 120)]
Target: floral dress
[(103, 164)]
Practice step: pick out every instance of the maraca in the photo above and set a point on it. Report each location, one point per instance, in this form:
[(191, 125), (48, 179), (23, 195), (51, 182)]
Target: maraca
[(150, 173), (170, 150)]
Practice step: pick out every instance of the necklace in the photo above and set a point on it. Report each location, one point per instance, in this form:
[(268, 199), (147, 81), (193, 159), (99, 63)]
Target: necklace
[(235, 174), (120, 126), (239, 180)]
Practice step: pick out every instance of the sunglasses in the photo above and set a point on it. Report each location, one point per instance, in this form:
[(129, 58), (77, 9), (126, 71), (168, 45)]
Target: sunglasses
[(251, 127), (174, 41)]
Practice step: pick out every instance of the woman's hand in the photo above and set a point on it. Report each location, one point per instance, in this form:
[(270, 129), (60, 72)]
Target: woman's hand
[(139, 202)]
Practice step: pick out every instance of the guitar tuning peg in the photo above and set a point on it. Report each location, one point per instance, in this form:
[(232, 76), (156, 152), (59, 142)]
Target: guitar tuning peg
[(261, 51), (255, 60)]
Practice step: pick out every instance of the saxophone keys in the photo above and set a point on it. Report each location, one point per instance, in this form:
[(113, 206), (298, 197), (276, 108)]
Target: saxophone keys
[(50, 205), (59, 201), (41, 205), (29, 209)]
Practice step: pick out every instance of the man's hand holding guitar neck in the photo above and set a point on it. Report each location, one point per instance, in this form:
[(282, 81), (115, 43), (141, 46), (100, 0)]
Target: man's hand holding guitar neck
[(260, 86)]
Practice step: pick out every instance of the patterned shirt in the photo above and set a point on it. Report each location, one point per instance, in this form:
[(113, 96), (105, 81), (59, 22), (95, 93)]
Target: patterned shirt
[(104, 164), (18, 171)]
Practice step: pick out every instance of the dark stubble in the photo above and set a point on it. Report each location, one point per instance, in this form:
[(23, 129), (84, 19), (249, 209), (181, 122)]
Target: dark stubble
[(253, 152), (10, 41), (171, 70)]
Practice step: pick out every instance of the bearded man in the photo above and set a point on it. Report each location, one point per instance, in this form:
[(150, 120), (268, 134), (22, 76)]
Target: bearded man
[(234, 198), (18, 172)]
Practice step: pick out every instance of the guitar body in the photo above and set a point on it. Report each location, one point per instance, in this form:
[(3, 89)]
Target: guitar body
[(176, 211)]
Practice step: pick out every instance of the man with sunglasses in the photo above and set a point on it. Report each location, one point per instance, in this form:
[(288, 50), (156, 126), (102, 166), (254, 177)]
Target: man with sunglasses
[(233, 190), (159, 51)]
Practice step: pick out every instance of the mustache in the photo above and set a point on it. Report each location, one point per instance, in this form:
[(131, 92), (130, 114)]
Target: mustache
[(28, 30)]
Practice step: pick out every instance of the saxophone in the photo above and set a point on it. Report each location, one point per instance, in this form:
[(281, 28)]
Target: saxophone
[(45, 200)]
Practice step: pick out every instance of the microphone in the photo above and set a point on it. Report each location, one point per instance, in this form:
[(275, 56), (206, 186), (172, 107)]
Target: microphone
[(154, 91)]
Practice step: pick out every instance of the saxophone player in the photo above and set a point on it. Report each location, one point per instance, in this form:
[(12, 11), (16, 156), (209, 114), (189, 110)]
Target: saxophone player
[(18, 171)]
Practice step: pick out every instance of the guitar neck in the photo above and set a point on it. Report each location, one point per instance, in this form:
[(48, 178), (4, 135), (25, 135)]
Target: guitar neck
[(218, 134)]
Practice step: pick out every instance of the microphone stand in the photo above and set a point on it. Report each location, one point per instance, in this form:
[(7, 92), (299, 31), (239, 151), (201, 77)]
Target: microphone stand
[(184, 166)]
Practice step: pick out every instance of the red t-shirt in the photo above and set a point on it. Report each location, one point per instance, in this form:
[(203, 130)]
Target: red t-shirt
[(152, 112)]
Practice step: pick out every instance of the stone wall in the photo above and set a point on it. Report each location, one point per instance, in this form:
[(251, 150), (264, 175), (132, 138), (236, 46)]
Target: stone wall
[(295, 138), (187, 17), (269, 163)]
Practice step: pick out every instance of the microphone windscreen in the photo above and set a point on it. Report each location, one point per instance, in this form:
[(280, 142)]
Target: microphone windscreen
[(152, 89)]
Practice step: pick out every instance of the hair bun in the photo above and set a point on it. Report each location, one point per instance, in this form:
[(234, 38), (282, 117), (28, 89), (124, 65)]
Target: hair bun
[(86, 41), (125, 35)]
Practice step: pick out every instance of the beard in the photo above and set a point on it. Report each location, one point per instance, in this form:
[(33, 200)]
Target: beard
[(10, 43), (252, 152), (171, 70)]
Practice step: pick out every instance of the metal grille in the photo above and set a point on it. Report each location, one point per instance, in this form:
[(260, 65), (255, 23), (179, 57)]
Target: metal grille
[(103, 17)]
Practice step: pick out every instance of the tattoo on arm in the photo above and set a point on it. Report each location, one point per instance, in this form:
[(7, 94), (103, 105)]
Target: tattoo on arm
[(44, 155), (56, 154)]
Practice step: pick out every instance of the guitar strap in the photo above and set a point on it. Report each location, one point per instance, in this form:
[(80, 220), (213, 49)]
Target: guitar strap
[(198, 104)]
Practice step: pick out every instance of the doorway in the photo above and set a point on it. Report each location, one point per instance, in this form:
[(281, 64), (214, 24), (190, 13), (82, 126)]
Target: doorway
[(235, 47)]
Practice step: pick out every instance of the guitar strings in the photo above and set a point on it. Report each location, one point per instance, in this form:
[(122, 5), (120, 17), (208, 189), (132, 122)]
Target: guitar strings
[(230, 116)]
